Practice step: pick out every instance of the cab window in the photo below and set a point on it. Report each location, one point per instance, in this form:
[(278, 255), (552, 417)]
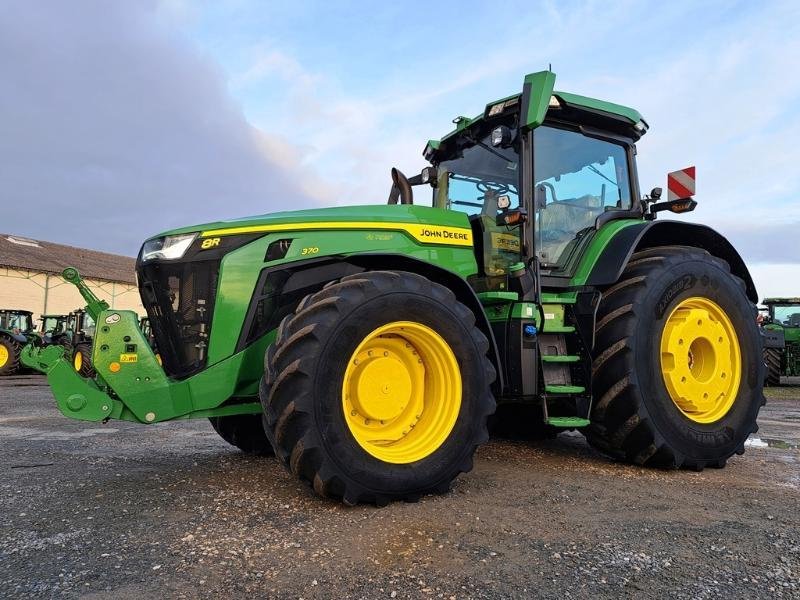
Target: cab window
[(577, 178)]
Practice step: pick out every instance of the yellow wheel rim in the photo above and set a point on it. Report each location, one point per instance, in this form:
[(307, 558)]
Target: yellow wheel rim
[(78, 360), (3, 355), (401, 393), (700, 360)]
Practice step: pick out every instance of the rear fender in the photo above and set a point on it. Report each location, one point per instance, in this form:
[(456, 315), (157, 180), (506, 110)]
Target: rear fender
[(608, 268)]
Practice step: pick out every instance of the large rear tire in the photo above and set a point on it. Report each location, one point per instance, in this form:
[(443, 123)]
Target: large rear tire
[(246, 432), (378, 389), (772, 360), (678, 369), (9, 355)]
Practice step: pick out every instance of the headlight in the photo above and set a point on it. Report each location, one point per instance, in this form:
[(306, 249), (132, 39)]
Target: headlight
[(171, 247), (501, 136)]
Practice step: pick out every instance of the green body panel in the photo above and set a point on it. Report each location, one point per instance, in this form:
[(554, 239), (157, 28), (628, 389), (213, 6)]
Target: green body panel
[(241, 268), (601, 105), (489, 298), (139, 390), (568, 422), (553, 318), (541, 88), (380, 213), (596, 246), (792, 334)]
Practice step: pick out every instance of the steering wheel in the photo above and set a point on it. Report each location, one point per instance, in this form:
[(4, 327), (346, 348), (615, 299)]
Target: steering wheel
[(498, 188), (401, 189)]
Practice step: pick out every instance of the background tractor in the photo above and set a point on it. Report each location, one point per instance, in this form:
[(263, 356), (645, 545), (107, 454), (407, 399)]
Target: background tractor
[(74, 332), (53, 326), (367, 346), (782, 338), (16, 330)]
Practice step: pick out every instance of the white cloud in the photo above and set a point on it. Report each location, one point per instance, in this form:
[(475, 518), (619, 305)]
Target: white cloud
[(114, 128)]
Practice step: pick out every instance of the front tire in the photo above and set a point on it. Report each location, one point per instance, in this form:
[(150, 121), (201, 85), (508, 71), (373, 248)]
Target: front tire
[(246, 432), (772, 360), (678, 369), (378, 388)]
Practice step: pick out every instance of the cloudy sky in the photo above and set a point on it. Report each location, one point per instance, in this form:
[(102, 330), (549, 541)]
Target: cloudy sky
[(118, 120)]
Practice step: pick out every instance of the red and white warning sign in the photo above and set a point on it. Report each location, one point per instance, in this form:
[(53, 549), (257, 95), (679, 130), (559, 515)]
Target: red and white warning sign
[(680, 184)]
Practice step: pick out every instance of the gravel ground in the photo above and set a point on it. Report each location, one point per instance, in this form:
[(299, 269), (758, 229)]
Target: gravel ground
[(131, 511)]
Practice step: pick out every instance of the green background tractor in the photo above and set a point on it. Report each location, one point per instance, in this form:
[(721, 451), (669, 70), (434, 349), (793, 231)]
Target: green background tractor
[(782, 342), (16, 330), (74, 332), (367, 346)]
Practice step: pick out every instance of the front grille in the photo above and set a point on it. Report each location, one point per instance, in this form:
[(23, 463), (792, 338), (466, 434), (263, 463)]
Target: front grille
[(179, 300), (179, 297)]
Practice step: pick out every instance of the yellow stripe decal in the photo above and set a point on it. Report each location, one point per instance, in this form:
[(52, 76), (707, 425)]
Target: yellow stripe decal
[(427, 234)]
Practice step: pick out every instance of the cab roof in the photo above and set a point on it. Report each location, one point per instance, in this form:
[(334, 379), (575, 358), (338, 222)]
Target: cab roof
[(539, 100)]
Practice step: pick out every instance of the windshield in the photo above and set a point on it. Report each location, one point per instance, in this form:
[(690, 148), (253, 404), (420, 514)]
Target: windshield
[(788, 315), (577, 179), (480, 169), (482, 182), (53, 325), (16, 321)]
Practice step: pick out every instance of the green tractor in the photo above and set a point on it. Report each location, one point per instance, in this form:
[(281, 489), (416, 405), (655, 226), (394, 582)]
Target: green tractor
[(367, 346), (82, 330), (16, 330), (782, 339)]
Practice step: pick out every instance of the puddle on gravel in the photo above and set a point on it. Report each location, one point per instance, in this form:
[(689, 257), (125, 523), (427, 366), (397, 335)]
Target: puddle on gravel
[(757, 442)]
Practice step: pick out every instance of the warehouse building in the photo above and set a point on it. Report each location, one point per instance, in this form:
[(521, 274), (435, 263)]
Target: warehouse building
[(30, 277)]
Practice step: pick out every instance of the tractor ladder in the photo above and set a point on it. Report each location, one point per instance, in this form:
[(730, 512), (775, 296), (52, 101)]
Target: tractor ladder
[(565, 362)]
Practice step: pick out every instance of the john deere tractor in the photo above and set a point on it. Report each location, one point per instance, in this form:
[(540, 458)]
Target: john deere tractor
[(367, 346), (782, 339), (16, 330)]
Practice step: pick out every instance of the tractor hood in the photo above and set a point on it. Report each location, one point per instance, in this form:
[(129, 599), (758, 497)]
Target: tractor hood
[(381, 216)]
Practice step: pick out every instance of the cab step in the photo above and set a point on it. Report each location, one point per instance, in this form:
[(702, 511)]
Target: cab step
[(560, 358), (558, 328), (564, 389), (568, 422)]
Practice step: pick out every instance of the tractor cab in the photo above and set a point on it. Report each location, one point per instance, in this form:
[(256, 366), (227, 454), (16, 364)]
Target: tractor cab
[(537, 176), (784, 311), (53, 324), (18, 321), (82, 324)]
